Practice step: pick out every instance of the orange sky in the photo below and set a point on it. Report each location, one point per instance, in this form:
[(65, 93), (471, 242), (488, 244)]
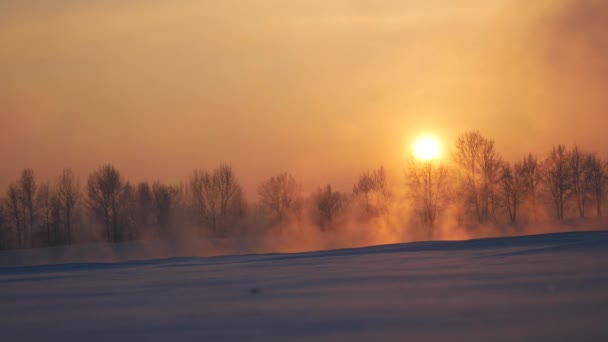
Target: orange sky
[(320, 88)]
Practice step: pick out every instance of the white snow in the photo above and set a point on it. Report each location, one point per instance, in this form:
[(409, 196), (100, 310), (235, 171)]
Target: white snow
[(535, 288)]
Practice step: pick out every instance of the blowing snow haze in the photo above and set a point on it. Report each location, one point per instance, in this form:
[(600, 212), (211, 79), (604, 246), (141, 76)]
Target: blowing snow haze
[(323, 89)]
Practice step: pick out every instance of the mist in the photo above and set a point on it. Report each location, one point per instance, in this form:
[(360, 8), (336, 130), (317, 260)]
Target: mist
[(107, 218)]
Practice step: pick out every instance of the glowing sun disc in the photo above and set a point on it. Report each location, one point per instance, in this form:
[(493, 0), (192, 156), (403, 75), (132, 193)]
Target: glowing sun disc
[(427, 148)]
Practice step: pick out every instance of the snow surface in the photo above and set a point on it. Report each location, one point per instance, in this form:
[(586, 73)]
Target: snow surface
[(534, 288)]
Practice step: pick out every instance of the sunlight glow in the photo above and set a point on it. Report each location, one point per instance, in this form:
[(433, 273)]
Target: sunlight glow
[(427, 148)]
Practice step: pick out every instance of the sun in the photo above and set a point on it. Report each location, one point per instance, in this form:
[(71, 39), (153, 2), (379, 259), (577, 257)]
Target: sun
[(427, 148)]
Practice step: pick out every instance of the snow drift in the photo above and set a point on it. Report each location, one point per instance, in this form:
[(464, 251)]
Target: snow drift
[(536, 288)]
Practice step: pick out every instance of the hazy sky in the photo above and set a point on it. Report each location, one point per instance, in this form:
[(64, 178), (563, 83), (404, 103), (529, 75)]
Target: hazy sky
[(321, 88)]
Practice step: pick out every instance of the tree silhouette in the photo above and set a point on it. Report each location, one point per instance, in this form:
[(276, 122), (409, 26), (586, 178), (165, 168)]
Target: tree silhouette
[(161, 204), (56, 217), (3, 227), (597, 176), (126, 228), (218, 198), (579, 184), (327, 204), (486, 188), (105, 189), (27, 188), (557, 177), (532, 178), (512, 184), (16, 213), (372, 189), (45, 205), (428, 186), (143, 208), (68, 196), (280, 195), (480, 165)]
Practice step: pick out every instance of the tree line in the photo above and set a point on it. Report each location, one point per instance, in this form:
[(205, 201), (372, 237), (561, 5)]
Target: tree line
[(473, 186), (487, 189)]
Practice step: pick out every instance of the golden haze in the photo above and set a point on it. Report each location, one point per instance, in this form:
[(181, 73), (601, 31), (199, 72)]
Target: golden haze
[(322, 89)]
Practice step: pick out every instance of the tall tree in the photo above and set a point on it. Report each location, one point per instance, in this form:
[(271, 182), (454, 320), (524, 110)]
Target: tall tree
[(162, 202), (597, 176), (372, 189), (279, 194), (127, 220), (327, 204), (490, 166), (16, 213), (428, 184), (68, 196), (579, 184), (480, 163), (3, 227), (44, 203), (557, 177), (218, 198), (105, 190), (512, 184), (27, 188), (143, 208), (56, 218), (532, 178)]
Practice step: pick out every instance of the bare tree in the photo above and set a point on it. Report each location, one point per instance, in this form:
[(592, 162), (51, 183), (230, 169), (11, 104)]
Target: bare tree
[(597, 177), (16, 213), (105, 190), (161, 204), (3, 227), (45, 205), (428, 185), (532, 178), (56, 217), (280, 195), (480, 164), (513, 184), (372, 189), (467, 155), (557, 177), (580, 186), (143, 208), (68, 196), (27, 188), (127, 220), (218, 198), (327, 206), (490, 166)]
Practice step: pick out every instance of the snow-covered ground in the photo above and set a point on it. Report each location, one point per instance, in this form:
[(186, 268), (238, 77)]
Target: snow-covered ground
[(535, 288)]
